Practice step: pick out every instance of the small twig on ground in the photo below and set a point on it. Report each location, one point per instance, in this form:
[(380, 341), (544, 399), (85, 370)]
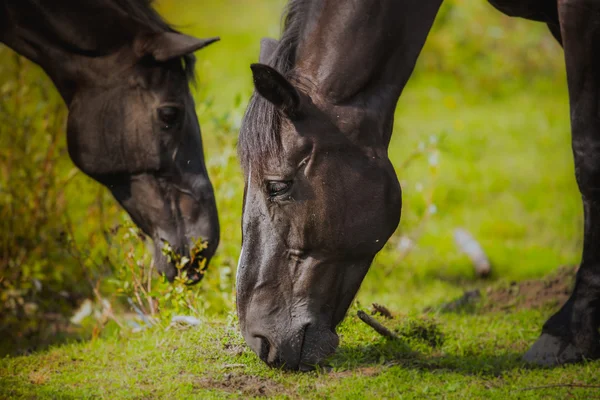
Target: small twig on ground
[(382, 310), (382, 330), (226, 366), (559, 385)]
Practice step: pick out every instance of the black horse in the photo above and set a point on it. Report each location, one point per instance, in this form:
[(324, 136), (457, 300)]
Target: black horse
[(321, 196), (124, 74)]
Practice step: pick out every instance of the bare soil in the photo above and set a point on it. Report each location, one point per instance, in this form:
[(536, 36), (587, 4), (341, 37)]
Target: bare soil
[(240, 383), (551, 291)]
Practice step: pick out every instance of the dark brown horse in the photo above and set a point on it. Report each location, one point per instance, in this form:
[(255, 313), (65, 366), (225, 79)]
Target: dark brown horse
[(321, 197), (124, 74)]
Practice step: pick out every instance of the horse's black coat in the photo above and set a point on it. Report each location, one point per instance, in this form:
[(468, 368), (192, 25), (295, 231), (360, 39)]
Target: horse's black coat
[(321, 197), (123, 73)]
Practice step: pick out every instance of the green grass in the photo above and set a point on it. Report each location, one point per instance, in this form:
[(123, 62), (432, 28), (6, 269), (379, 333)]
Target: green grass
[(479, 357), (488, 100)]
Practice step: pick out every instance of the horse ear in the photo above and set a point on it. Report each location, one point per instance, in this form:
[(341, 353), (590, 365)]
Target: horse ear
[(169, 45), (267, 48), (273, 86)]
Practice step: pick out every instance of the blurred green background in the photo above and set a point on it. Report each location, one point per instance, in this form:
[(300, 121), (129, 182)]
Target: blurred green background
[(481, 142)]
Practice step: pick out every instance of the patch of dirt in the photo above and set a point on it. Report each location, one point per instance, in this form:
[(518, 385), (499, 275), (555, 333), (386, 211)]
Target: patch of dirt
[(547, 292), (421, 328), (551, 291), (38, 377), (247, 385), (234, 349)]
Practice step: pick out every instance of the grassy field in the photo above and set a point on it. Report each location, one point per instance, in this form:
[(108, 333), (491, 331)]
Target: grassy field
[(481, 142), (447, 356)]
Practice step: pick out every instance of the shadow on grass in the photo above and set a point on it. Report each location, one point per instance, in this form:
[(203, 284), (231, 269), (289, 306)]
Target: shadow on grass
[(46, 335), (394, 352)]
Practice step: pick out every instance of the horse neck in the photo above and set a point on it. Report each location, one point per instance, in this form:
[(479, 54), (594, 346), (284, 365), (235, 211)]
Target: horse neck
[(362, 53), (60, 42)]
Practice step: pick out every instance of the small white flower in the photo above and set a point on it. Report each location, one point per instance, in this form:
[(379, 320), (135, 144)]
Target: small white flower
[(433, 139), (421, 146), (434, 158), (432, 209), (419, 187), (84, 310), (405, 243)]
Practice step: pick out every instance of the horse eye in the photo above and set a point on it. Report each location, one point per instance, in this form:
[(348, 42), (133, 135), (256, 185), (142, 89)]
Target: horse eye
[(277, 188), (169, 116)]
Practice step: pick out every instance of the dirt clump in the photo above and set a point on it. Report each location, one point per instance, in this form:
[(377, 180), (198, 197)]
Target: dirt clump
[(247, 385), (381, 310), (532, 294), (549, 292)]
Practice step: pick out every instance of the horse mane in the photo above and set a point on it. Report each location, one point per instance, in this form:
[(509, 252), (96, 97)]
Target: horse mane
[(259, 136), (142, 12), (131, 16)]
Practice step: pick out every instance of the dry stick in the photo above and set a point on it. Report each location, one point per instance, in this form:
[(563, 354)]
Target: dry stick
[(560, 385), (382, 330), (225, 366)]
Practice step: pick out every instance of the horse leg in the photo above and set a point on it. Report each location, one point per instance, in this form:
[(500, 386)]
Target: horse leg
[(572, 334)]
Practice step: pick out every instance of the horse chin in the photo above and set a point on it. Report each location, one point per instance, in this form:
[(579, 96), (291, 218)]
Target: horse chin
[(304, 349), (317, 346), (194, 273), (163, 266)]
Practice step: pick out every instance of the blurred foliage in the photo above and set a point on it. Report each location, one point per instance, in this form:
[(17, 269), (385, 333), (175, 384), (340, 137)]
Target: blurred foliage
[(43, 272), (482, 49), (34, 260), (64, 240)]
